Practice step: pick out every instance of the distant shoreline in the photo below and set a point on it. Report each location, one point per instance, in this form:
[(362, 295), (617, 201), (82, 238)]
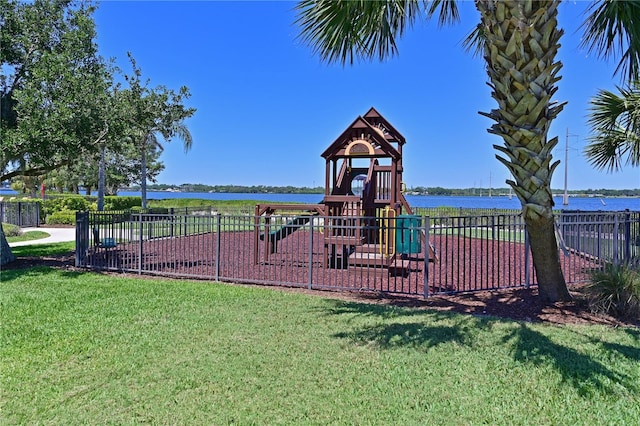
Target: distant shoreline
[(418, 191), (439, 192)]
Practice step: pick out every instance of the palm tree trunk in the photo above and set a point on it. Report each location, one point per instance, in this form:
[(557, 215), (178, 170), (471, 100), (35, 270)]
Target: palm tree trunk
[(101, 180), (143, 173), (522, 40)]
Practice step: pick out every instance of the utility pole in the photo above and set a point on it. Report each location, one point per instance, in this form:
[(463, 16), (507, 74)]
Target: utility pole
[(565, 198)]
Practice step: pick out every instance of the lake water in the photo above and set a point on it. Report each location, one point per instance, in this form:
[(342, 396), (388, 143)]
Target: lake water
[(498, 202)]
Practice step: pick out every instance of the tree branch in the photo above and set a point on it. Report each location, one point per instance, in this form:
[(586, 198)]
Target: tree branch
[(33, 172)]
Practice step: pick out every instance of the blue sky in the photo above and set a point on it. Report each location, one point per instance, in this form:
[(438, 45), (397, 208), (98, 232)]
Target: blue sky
[(267, 107)]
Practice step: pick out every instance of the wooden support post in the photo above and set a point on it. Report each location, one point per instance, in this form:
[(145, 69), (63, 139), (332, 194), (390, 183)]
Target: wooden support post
[(256, 233)]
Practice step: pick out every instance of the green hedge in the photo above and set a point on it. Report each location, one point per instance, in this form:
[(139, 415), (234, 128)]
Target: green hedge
[(114, 202), (62, 217), (66, 202)]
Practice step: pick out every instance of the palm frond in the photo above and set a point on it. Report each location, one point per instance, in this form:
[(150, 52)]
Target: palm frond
[(182, 132), (606, 150), (608, 110), (343, 31), (151, 140), (447, 11), (612, 28), (615, 125), (474, 42)]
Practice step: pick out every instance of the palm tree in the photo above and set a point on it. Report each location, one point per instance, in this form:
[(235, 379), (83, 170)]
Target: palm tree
[(615, 125), (151, 112), (519, 41), (150, 141)]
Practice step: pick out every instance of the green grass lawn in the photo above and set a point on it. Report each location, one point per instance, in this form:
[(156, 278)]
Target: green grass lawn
[(78, 348), (49, 249), (28, 236)]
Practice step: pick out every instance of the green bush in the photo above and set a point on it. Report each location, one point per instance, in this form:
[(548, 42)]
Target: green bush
[(62, 217), (66, 202), (11, 230), (113, 202), (615, 290)]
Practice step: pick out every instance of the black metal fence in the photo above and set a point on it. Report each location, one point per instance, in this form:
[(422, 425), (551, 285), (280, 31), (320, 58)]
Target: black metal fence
[(602, 235), (406, 255), (462, 211), (20, 213)]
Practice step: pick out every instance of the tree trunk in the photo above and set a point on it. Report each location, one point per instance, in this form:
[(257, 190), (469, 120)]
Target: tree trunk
[(546, 259), (101, 180), (6, 255), (143, 174), (521, 43)]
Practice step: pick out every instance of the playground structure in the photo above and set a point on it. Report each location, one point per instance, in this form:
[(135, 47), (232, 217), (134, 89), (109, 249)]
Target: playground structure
[(364, 217)]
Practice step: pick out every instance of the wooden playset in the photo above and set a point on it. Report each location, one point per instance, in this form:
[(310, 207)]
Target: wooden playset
[(364, 217)]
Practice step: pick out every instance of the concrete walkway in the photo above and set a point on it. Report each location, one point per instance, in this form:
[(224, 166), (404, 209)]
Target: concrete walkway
[(57, 235)]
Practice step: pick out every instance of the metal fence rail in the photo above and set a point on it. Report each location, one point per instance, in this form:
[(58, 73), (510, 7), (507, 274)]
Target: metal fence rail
[(405, 255), (480, 253), (603, 237), (463, 211), (20, 213)]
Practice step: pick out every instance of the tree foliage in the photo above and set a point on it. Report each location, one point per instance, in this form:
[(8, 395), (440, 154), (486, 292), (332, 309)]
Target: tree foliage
[(153, 113), (52, 79), (52, 82), (614, 119), (61, 110)]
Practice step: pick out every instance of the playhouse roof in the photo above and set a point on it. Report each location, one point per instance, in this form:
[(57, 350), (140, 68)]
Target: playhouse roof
[(376, 119), (371, 130)]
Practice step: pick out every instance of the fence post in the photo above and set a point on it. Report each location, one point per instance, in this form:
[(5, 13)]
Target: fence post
[(130, 225), (627, 235), (310, 285), (82, 237), (427, 253), (218, 229), (616, 228), (141, 238), (527, 257), (171, 222)]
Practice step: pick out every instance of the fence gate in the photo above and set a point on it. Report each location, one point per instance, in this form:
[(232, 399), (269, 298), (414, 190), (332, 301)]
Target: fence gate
[(20, 213), (82, 238)]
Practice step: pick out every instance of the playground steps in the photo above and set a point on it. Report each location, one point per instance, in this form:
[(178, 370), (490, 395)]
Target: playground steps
[(404, 265), (375, 260), (344, 240), (368, 248)]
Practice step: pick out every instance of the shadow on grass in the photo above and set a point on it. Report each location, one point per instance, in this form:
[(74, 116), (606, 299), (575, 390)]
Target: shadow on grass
[(50, 249), (34, 259), (585, 372), (38, 271), (416, 334)]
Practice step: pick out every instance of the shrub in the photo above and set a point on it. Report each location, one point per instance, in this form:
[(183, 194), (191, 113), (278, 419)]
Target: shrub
[(65, 203), (62, 217), (615, 290), (11, 230), (113, 202)]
